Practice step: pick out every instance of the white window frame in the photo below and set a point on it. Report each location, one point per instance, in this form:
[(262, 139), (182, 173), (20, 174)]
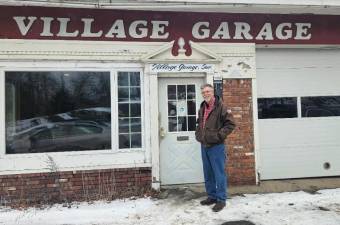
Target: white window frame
[(140, 71), (77, 160)]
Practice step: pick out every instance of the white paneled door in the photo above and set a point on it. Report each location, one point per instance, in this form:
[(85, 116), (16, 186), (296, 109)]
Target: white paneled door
[(180, 154)]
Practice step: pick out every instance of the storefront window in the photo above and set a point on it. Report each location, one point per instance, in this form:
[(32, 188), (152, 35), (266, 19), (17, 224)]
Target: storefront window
[(129, 110), (56, 111)]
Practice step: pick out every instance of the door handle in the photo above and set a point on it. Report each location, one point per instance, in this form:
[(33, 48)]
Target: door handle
[(162, 132)]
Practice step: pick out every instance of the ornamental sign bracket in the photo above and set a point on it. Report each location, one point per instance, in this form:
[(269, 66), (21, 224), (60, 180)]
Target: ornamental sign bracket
[(165, 53)]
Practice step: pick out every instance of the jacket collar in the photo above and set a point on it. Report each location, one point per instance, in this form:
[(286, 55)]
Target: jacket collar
[(217, 101)]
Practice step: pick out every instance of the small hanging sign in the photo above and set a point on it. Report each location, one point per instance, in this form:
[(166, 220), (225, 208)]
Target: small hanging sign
[(183, 67)]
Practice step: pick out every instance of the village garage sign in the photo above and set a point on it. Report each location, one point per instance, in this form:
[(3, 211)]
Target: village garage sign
[(129, 25)]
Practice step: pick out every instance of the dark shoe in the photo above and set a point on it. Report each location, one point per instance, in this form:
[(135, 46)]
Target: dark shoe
[(218, 206), (208, 201)]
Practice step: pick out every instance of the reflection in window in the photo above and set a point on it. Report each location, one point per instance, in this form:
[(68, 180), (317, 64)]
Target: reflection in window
[(320, 106), (181, 108), (56, 111), (269, 108), (129, 110)]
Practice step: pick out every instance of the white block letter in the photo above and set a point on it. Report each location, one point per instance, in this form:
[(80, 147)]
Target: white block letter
[(199, 33), (47, 26), (21, 24), (242, 29), (117, 29), (222, 32), (63, 28), (284, 34), (302, 32), (87, 28), (158, 28), (266, 33), (143, 32)]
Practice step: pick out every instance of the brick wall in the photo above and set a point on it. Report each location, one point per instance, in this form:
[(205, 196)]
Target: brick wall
[(60, 187), (237, 95)]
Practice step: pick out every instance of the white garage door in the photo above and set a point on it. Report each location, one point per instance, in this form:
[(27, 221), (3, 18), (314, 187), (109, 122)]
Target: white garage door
[(298, 112)]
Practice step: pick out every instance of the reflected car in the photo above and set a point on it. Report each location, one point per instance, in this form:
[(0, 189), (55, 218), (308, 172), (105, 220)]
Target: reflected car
[(63, 136)]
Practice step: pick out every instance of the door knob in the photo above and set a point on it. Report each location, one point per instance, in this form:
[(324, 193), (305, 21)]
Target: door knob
[(162, 132)]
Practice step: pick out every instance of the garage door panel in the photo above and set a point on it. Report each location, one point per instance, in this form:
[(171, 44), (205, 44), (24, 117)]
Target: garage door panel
[(298, 162), (299, 82), (299, 131)]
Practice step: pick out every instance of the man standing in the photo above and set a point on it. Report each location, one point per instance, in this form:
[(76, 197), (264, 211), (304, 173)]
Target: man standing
[(214, 124)]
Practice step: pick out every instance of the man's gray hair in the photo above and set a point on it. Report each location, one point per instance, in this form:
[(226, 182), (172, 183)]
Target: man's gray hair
[(207, 85)]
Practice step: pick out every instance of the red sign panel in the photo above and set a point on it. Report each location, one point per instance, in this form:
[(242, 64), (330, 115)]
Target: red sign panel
[(127, 25)]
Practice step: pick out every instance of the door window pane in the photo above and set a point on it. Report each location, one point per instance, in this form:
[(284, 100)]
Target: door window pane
[(191, 108), (172, 92), (172, 108), (130, 112), (42, 107), (172, 124), (320, 106), (182, 123), (192, 123), (269, 108), (191, 92), (181, 92), (181, 108)]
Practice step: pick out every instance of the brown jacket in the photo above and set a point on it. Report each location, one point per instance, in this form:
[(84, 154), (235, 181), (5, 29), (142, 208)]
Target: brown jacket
[(218, 125)]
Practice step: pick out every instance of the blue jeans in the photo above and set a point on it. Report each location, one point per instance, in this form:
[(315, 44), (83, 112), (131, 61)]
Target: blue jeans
[(214, 175)]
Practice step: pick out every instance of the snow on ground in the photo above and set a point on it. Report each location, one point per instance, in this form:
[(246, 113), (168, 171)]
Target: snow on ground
[(290, 208)]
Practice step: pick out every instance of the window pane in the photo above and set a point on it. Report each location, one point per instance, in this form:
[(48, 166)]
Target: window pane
[(172, 108), (42, 107), (191, 123), (135, 110), (123, 110), (172, 124), (269, 108), (123, 94), (191, 108), (181, 93), (134, 79), (124, 124), (172, 92), (191, 92), (136, 125), (123, 79), (182, 123), (320, 106), (124, 141), (135, 94), (136, 140)]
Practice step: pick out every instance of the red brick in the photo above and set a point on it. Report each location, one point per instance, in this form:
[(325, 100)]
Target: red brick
[(237, 95)]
